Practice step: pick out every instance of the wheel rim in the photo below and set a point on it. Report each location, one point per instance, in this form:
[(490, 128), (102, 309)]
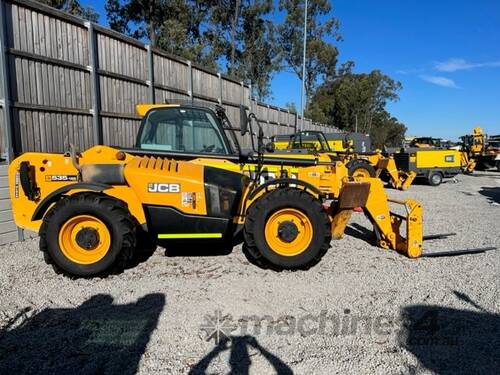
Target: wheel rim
[(84, 239), (293, 243), (436, 179), (361, 172)]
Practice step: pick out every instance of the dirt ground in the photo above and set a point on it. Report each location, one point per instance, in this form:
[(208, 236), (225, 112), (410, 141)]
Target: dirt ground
[(361, 310)]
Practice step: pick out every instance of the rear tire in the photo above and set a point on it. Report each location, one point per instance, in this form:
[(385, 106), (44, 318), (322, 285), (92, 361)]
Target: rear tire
[(360, 168), (268, 249), (106, 252), (435, 178)]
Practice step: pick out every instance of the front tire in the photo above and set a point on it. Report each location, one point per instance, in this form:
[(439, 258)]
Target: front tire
[(87, 235), (360, 168), (287, 229)]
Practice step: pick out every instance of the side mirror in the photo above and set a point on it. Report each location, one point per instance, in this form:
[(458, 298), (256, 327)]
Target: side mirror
[(243, 120)]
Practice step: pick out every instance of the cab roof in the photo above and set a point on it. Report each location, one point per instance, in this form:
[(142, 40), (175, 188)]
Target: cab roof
[(142, 109)]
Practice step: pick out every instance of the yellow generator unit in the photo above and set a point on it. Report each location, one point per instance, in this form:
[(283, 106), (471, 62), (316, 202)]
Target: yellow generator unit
[(432, 164)]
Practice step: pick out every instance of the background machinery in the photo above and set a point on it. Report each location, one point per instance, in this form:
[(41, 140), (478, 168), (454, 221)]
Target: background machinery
[(480, 148), (340, 142), (431, 164), (359, 164), (94, 209), (422, 142), (434, 159)]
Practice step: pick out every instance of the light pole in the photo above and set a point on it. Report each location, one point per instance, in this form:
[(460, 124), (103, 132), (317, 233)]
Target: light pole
[(302, 91)]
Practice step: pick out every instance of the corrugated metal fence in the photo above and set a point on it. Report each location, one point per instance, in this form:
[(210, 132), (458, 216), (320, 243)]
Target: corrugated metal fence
[(65, 80), (8, 230)]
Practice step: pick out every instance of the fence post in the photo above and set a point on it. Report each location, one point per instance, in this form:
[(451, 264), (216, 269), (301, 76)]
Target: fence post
[(242, 98), (151, 74), (287, 119), (296, 122), (190, 81), (95, 85), (5, 95), (251, 98), (219, 76)]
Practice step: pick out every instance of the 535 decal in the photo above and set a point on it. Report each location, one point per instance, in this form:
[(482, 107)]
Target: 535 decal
[(60, 177)]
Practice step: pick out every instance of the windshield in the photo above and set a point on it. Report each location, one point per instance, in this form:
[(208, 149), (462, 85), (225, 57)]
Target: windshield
[(189, 130), (310, 141)]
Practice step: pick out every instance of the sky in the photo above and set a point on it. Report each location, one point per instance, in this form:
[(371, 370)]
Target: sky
[(446, 54)]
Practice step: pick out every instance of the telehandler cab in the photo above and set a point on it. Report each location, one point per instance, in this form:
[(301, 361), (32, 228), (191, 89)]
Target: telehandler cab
[(92, 208)]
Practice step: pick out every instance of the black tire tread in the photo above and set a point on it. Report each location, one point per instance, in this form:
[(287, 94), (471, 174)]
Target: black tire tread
[(356, 163), (250, 248), (117, 208)]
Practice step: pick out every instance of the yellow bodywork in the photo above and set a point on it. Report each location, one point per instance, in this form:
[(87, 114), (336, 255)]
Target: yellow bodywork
[(400, 180), (280, 145), (142, 109), (138, 171), (53, 171), (387, 224), (478, 143), (334, 144), (340, 145), (436, 158), (468, 164)]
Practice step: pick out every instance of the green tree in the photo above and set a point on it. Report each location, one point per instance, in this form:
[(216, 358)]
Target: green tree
[(256, 57), (358, 102), (233, 33), (247, 37), (321, 55), (387, 130), (73, 7), (176, 26)]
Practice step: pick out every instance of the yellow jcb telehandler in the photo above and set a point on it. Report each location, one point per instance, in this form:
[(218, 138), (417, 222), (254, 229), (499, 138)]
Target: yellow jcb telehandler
[(92, 209)]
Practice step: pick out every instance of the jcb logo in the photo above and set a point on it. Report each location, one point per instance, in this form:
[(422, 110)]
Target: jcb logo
[(164, 188)]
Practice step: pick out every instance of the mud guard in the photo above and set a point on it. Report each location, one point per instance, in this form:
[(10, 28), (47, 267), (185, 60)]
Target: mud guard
[(56, 195)]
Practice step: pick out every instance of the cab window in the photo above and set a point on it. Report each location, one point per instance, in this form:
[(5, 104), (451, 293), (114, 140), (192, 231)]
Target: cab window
[(187, 130)]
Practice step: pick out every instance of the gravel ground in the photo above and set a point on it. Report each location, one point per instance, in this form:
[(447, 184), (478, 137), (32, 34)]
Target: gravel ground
[(361, 310)]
